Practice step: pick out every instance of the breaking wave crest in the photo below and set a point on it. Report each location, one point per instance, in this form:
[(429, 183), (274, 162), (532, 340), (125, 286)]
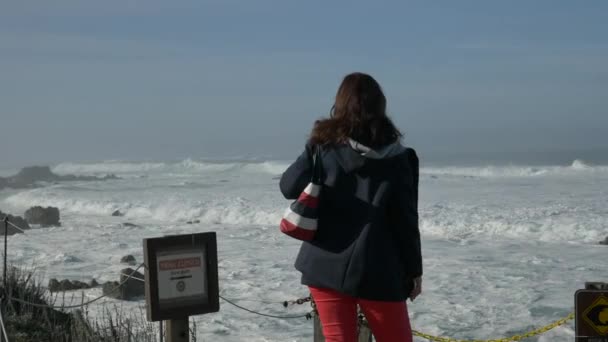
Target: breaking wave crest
[(546, 223), (106, 167), (191, 166), (580, 165), (452, 221), (186, 166), (231, 211), (513, 171)]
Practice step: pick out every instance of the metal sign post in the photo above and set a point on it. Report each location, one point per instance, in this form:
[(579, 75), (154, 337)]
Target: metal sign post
[(178, 330), (181, 280), (591, 306)]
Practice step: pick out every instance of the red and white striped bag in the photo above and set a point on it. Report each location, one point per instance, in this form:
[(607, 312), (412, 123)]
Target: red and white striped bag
[(300, 220)]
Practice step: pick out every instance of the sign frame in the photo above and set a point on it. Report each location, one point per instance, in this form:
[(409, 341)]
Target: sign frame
[(204, 244), (584, 301)]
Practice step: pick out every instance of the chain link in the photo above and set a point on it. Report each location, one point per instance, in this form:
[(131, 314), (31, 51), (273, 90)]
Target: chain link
[(433, 338), (521, 337)]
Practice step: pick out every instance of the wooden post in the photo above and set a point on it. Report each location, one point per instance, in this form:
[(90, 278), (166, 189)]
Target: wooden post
[(4, 278), (318, 329), (365, 334), (596, 285), (161, 333), (178, 330)]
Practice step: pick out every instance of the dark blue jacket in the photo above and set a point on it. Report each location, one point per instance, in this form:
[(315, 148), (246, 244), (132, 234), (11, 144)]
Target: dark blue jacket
[(368, 243)]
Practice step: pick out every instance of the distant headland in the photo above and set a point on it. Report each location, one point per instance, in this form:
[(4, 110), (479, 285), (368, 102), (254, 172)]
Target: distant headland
[(33, 176)]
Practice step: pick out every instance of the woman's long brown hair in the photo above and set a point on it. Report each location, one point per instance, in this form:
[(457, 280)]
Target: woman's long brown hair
[(359, 113)]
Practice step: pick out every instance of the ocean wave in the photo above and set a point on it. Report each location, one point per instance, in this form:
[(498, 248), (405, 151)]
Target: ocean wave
[(116, 167), (187, 166), (191, 166), (64, 258), (547, 223), (580, 165), (485, 172), (270, 167), (229, 211), (512, 171), (47, 197)]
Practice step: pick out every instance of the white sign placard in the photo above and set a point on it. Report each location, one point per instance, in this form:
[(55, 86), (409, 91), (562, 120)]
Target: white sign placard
[(181, 274)]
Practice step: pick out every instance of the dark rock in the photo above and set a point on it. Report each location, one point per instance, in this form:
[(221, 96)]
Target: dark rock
[(79, 285), (127, 224), (128, 259), (110, 289), (33, 174), (604, 242), (131, 289), (117, 213), (67, 285), (46, 217), (134, 287), (54, 285), (194, 222), (16, 220)]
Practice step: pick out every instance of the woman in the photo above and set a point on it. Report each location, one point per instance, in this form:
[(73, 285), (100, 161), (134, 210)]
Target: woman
[(366, 250)]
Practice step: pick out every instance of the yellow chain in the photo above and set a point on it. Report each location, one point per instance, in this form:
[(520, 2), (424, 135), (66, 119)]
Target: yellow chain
[(509, 339)]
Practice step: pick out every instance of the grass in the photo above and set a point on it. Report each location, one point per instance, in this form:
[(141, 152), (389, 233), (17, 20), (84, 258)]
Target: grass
[(27, 323)]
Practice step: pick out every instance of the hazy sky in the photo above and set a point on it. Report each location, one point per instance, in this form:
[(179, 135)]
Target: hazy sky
[(120, 79)]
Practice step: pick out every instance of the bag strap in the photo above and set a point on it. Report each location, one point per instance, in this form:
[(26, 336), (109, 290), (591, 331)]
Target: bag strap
[(317, 166)]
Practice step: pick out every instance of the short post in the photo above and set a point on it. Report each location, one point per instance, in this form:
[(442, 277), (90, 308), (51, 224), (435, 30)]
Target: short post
[(596, 285), (365, 334), (318, 329), (161, 332), (5, 253), (178, 330)]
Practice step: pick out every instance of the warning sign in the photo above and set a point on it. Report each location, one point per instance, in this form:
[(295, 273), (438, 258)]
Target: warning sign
[(181, 275), (596, 315), (591, 315), (181, 278)]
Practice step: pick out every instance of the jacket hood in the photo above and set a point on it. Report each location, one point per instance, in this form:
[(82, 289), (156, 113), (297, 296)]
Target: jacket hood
[(354, 155), (381, 153)]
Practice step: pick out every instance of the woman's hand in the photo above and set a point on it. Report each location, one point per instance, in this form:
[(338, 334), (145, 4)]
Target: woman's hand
[(417, 288)]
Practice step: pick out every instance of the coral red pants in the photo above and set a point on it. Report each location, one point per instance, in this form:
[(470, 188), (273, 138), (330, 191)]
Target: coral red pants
[(389, 321)]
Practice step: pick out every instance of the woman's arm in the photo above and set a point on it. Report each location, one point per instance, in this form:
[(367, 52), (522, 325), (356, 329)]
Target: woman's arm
[(404, 216), (415, 229), (298, 175)]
